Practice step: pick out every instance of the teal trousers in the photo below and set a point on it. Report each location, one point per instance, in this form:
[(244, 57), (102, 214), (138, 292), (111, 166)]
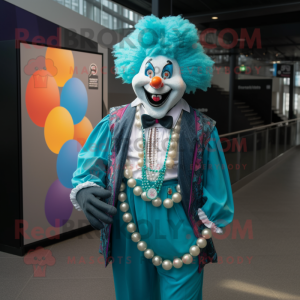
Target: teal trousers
[(169, 234)]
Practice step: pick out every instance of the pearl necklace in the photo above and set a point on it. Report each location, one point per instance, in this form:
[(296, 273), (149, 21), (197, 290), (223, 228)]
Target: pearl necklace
[(152, 188), (150, 185), (138, 191), (156, 202), (142, 245)]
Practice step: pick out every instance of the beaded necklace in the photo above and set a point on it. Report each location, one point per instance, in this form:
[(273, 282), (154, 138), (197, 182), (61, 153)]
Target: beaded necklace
[(142, 246), (151, 183), (152, 188)]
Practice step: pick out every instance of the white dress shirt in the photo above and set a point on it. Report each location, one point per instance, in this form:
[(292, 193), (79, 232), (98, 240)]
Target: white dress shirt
[(162, 135)]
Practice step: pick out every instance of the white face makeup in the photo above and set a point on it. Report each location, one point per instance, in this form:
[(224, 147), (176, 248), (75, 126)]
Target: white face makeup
[(159, 85)]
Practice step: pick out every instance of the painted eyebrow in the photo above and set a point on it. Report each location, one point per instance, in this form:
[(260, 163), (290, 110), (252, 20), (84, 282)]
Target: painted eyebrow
[(168, 63), (149, 61)]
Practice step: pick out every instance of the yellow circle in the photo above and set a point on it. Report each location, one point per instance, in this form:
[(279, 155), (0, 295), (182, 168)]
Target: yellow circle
[(59, 128), (60, 63), (82, 130)]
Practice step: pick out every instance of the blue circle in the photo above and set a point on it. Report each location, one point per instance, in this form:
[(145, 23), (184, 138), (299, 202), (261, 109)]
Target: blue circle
[(66, 163), (74, 98)]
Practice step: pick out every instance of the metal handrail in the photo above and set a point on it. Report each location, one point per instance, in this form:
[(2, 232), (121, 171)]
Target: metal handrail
[(259, 127)]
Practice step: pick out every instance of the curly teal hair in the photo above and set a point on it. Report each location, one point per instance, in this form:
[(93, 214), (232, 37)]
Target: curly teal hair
[(173, 37)]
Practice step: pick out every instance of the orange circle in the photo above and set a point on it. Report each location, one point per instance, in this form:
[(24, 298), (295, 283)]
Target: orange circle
[(60, 63), (59, 128), (156, 82), (82, 131), (42, 95)]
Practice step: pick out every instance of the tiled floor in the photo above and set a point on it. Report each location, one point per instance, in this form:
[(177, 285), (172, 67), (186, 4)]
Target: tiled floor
[(265, 266)]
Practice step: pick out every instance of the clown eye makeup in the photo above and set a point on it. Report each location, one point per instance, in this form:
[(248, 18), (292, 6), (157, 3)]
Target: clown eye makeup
[(149, 70), (167, 71)]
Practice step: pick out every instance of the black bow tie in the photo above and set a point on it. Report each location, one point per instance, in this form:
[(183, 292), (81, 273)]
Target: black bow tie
[(148, 121)]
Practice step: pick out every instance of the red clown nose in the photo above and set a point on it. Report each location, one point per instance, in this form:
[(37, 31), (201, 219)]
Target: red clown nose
[(156, 82)]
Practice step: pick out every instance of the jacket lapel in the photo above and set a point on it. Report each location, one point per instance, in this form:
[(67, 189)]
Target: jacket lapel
[(122, 133), (187, 143)]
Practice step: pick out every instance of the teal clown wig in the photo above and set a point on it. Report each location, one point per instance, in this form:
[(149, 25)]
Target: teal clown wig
[(173, 37)]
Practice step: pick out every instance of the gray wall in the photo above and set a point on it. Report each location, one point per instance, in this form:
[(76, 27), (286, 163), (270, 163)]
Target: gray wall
[(119, 93)]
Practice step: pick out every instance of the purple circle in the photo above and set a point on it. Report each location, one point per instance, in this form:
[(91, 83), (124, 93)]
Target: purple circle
[(58, 205)]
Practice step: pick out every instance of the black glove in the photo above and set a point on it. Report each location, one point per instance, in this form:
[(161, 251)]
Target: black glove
[(91, 202)]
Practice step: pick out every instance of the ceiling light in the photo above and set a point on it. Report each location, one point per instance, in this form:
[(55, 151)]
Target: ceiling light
[(214, 18), (278, 62)]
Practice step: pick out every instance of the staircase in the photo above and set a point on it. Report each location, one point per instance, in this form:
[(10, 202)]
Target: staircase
[(277, 116), (243, 116), (215, 103), (250, 115)]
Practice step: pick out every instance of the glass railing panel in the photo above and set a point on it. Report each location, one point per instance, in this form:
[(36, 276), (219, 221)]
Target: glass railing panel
[(271, 144), (289, 137), (281, 139), (293, 134), (298, 133), (231, 158), (246, 152), (261, 154)]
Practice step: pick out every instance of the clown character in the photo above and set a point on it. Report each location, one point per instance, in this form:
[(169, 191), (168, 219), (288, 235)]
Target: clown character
[(152, 175)]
